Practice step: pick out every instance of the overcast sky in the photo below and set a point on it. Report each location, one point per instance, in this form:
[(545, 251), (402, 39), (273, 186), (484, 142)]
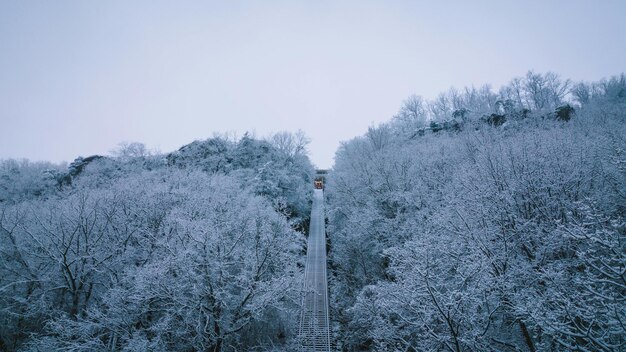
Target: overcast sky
[(78, 77)]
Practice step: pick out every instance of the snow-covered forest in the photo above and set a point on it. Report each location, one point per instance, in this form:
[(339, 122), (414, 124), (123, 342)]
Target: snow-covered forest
[(481, 220), (485, 221), (196, 250)]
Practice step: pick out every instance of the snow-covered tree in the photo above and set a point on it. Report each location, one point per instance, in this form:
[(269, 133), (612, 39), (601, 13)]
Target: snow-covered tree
[(488, 239)]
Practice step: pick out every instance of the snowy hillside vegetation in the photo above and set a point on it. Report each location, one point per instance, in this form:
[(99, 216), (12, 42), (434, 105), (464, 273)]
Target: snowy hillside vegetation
[(191, 251), (485, 221)]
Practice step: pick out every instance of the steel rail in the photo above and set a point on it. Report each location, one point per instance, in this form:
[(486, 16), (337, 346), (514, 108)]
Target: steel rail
[(314, 327)]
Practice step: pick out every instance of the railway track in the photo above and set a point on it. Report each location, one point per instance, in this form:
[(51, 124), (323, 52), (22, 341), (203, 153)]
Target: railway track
[(314, 328)]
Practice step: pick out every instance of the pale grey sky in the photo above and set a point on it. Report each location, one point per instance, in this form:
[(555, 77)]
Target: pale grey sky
[(78, 77)]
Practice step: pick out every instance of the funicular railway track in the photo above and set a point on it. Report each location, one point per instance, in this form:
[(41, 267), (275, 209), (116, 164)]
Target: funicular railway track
[(314, 329)]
